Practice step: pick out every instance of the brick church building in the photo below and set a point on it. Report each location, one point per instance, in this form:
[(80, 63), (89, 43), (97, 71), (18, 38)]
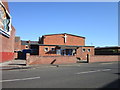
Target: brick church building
[(7, 34), (58, 46), (64, 45)]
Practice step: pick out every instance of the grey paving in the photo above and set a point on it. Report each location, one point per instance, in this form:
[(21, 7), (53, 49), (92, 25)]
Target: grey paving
[(94, 75), (13, 64)]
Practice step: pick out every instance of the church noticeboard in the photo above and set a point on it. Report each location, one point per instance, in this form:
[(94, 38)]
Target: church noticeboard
[(5, 21)]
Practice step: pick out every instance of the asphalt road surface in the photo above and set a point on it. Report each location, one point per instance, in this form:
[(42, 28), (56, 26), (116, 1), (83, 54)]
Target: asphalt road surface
[(82, 75)]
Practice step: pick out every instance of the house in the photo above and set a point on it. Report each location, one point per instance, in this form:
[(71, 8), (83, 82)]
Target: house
[(25, 46), (20, 46), (7, 33)]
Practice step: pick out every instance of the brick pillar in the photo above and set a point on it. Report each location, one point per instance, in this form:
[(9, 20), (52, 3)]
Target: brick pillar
[(27, 58)]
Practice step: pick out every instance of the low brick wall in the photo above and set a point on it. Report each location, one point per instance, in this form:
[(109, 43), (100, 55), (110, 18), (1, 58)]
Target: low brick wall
[(104, 58), (48, 59)]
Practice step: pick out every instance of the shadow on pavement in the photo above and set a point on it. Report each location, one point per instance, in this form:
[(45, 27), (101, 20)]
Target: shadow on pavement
[(114, 84), (18, 64)]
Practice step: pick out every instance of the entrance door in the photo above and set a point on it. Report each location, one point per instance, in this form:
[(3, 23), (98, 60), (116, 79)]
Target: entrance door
[(21, 55), (69, 52)]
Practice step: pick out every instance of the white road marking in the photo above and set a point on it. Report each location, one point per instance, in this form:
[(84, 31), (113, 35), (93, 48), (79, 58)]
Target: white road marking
[(106, 63), (19, 79), (106, 70), (94, 71)]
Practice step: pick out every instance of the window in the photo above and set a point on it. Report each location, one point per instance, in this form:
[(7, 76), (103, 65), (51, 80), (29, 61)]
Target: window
[(83, 49), (58, 52), (52, 49), (46, 49), (89, 50), (26, 46)]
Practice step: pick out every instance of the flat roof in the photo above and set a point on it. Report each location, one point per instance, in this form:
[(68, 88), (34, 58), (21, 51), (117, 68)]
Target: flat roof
[(23, 42), (108, 47), (55, 45)]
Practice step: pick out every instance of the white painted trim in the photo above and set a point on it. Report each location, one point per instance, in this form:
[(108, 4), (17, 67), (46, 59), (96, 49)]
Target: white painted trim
[(45, 49)]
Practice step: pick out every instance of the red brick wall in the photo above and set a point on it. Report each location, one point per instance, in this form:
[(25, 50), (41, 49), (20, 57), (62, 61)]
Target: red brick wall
[(48, 59), (24, 47), (59, 40), (42, 52), (82, 54), (17, 45), (104, 58), (7, 44)]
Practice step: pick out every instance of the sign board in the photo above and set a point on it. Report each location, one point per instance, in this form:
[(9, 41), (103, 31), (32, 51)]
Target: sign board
[(5, 21)]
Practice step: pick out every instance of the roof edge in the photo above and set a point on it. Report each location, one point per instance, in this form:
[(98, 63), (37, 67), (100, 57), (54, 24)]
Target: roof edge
[(64, 33), (55, 45)]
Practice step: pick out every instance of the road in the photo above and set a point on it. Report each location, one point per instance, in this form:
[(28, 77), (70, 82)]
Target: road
[(82, 75)]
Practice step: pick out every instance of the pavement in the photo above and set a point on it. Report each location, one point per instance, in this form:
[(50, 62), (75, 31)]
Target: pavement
[(13, 64), (21, 64)]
